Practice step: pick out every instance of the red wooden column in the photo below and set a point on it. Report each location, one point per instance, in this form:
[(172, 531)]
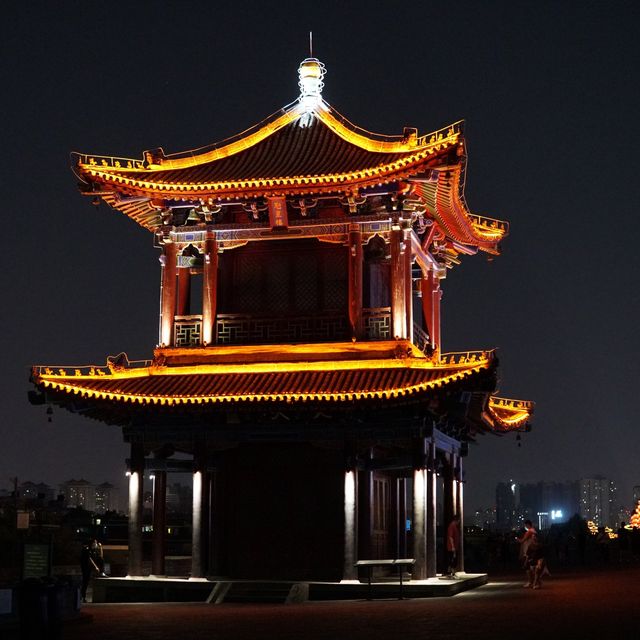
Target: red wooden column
[(209, 289), (184, 291), (398, 286), (159, 523), (431, 295), (355, 281), (168, 294), (408, 282)]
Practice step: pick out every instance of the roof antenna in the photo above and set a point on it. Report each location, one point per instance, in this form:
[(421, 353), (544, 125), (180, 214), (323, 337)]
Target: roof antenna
[(311, 44)]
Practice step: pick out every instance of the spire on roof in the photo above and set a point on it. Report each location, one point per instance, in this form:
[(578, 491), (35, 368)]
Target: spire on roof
[(310, 75)]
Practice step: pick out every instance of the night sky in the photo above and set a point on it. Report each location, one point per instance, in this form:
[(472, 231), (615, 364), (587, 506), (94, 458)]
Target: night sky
[(549, 91)]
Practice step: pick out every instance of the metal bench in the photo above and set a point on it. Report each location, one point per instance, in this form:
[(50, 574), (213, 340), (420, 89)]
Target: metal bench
[(398, 562)]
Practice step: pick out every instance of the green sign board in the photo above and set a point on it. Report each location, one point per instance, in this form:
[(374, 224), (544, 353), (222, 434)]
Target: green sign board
[(36, 561)]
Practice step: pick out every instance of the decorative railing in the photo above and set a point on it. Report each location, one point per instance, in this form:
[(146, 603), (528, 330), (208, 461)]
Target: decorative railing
[(107, 161), (507, 403), (465, 357), (377, 323), (489, 224), (421, 338), (113, 363), (247, 329), (187, 331)]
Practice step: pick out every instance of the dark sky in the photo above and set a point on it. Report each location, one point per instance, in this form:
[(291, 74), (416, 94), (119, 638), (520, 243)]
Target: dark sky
[(549, 91)]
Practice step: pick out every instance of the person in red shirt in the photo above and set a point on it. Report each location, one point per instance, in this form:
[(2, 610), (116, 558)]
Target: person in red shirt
[(453, 545)]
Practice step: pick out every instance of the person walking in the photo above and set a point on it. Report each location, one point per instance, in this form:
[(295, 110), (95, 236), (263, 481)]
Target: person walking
[(527, 540)]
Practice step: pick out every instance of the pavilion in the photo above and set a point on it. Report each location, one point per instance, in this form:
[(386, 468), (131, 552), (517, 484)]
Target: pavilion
[(299, 362)]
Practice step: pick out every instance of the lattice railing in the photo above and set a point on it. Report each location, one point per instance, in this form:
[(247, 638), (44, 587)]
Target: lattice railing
[(247, 329), (187, 331), (377, 323)]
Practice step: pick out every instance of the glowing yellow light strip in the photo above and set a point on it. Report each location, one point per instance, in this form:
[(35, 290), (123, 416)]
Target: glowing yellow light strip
[(370, 173), (433, 141), (270, 367), (517, 418), (506, 403), (273, 397)]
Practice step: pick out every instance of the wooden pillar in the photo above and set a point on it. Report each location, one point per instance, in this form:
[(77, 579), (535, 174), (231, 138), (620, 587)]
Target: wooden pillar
[(419, 571), (198, 517), (355, 281), (437, 296), (460, 509), (365, 511), (136, 482), (184, 291), (431, 517), (213, 524), (349, 571), (168, 294), (431, 295), (209, 289), (408, 283), (448, 499), (159, 523), (398, 288)]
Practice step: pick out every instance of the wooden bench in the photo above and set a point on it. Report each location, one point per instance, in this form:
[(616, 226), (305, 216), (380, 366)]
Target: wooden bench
[(400, 563)]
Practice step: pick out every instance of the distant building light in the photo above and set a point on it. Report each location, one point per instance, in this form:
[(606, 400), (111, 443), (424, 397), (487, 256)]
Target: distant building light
[(556, 514)]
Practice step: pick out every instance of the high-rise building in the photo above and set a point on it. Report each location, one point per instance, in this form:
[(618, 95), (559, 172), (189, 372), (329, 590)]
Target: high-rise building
[(597, 498), (540, 502), (79, 493), (107, 498)]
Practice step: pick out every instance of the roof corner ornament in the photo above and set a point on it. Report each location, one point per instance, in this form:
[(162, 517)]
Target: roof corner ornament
[(310, 75)]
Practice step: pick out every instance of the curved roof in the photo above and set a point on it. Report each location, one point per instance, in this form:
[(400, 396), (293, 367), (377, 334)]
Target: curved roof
[(279, 157), (305, 150), (267, 382), (509, 415)]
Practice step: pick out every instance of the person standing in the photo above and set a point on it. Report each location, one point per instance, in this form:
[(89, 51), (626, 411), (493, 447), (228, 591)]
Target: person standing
[(453, 545), (87, 566), (97, 557), (527, 539)]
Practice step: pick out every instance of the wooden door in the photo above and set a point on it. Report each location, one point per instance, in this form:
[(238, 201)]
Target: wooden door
[(380, 543)]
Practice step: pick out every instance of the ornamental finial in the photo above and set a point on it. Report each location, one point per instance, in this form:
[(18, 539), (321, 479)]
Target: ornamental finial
[(310, 74)]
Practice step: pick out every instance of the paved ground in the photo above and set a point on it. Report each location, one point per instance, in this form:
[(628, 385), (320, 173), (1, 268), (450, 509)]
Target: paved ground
[(585, 604)]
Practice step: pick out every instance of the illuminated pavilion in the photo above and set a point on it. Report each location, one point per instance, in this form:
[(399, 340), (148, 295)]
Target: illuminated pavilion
[(299, 361)]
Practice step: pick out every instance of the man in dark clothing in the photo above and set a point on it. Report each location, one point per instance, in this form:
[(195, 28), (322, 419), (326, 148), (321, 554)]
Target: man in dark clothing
[(86, 565)]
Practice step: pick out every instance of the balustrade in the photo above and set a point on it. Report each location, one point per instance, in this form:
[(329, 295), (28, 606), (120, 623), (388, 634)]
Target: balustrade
[(187, 331)]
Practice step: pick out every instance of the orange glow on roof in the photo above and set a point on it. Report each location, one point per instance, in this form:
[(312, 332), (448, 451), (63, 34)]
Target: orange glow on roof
[(440, 374), (425, 145), (510, 414)]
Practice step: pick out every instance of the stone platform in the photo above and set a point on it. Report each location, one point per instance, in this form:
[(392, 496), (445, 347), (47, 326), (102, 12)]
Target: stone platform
[(218, 591)]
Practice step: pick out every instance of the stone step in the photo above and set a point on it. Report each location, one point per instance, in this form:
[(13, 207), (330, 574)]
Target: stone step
[(267, 592)]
